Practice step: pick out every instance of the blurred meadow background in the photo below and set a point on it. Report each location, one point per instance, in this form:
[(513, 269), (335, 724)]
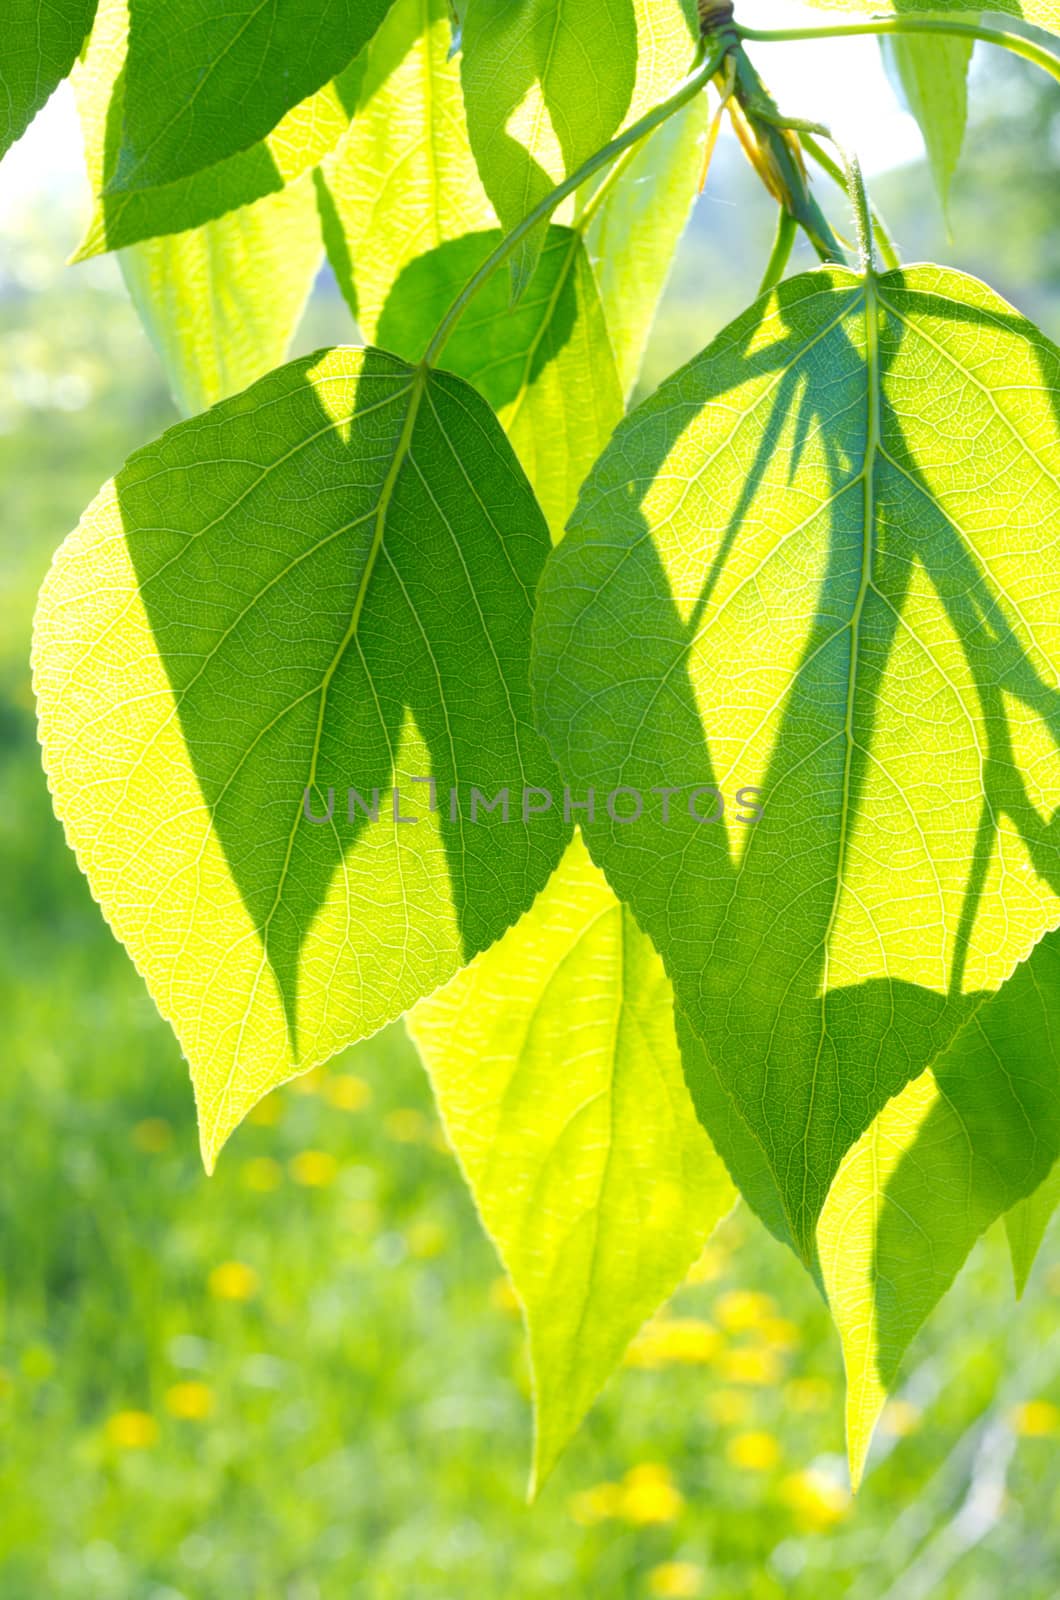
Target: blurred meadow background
[(304, 1378)]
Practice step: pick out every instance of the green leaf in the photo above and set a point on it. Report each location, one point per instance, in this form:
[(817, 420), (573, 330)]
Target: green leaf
[(404, 181), (932, 72), (1042, 13), (41, 39), (324, 583), (545, 366), (546, 83), (813, 565), (943, 1160), (220, 302), (633, 235), (557, 1073), (1026, 1223), (307, 133), (201, 92)]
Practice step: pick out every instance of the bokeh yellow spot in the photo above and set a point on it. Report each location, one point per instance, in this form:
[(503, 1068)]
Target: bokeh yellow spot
[(901, 1418), (741, 1309), (233, 1280), (314, 1169), (262, 1174), (752, 1366), (686, 1340), (808, 1394), (709, 1267), (153, 1135), (131, 1430), (407, 1125), (346, 1092), (728, 1407), (816, 1500), (649, 1494), (1036, 1419), (267, 1112), (308, 1082), (426, 1239), (597, 1504), (753, 1452), (191, 1402), (676, 1580)]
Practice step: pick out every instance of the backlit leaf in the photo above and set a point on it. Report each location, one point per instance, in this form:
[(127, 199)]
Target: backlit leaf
[(812, 574), (204, 82), (556, 1069), (955, 1150), (300, 139), (39, 42), (324, 583), (219, 302), (932, 71), (1026, 1224)]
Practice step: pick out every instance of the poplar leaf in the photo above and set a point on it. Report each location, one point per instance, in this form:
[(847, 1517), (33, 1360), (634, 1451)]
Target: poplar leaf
[(950, 1154), (548, 82), (403, 182), (198, 93), (322, 584), (811, 573), (1026, 1224), (556, 1070), (302, 137), (932, 73), (545, 365), (219, 302), (38, 47)]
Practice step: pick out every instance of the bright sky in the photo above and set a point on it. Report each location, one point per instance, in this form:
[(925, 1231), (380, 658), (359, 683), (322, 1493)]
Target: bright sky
[(837, 81)]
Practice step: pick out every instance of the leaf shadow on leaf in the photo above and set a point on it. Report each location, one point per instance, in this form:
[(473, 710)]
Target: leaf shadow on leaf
[(251, 581), (746, 946)]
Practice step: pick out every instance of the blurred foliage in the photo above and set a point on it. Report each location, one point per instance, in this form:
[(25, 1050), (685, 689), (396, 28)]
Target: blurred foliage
[(304, 1378)]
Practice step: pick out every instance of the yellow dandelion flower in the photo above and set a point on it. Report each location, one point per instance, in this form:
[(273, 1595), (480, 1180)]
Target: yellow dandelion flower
[(1036, 1419), (262, 1174), (817, 1500), (267, 1112), (233, 1280), (131, 1430), (752, 1366), (503, 1297), (901, 1418), (314, 1169), (753, 1452), (604, 1500), (152, 1136), (687, 1340), (649, 1494), (808, 1394), (741, 1309), (407, 1125), (426, 1239), (676, 1580), (346, 1092), (728, 1407), (191, 1402)]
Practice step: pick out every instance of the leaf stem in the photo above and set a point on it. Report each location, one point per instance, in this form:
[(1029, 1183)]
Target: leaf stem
[(707, 63), (883, 236), (967, 30), (787, 229)]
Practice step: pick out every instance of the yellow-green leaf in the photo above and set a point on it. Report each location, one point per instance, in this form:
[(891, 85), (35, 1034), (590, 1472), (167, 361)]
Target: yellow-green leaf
[(556, 1070)]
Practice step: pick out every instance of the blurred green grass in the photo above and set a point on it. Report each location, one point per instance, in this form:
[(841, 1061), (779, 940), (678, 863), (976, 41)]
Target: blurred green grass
[(304, 1378)]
